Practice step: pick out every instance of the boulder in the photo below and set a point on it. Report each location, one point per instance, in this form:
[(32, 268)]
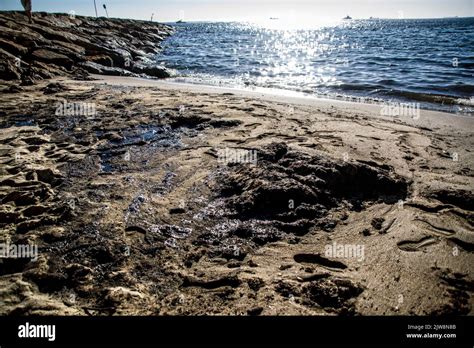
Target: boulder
[(70, 46), (152, 70), (51, 57), (25, 37), (9, 66), (101, 59), (46, 71), (71, 54), (13, 48), (53, 33), (120, 57), (95, 68)]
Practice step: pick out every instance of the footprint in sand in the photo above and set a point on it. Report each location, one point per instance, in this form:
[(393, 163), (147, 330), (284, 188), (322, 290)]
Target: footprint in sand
[(417, 245), (320, 260), (252, 126)]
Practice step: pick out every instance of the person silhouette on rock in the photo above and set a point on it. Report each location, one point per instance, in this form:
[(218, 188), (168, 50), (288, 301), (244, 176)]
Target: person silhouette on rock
[(27, 6)]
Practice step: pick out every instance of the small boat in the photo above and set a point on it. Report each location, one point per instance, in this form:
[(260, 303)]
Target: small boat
[(180, 21), (274, 18), (347, 18)]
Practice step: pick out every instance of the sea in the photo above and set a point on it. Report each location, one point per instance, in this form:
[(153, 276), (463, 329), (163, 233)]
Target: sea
[(425, 61)]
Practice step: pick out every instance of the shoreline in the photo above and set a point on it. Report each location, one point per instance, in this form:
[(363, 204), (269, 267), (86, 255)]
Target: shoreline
[(424, 105), (287, 97), (414, 85)]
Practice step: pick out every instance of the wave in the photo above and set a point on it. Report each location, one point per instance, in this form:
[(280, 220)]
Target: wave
[(401, 60), (425, 97)]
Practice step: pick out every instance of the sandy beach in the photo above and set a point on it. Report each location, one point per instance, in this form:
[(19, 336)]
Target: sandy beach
[(153, 198)]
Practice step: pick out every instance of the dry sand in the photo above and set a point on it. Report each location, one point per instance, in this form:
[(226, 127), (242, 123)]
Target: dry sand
[(133, 213)]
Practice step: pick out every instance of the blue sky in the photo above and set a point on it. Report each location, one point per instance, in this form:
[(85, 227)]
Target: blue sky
[(255, 10)]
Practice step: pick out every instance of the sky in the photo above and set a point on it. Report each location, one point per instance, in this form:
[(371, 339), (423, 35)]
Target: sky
[(255, 10)]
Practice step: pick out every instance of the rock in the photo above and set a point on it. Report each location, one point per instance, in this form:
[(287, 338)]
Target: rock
[(9, 66), (81, 74), (70, 46), (120, 57), (13, 48), (52, 33), (156, 71), (102, 59), (92, 67), (46, 71), (95, 68), (51, 57), (25, 37), (252, 263), (27, 81), (65, 51)]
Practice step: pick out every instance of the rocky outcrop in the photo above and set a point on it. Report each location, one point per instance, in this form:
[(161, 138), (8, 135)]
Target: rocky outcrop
[(66, 45)]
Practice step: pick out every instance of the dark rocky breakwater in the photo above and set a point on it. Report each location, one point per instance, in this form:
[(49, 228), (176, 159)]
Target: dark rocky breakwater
[(74, 46)]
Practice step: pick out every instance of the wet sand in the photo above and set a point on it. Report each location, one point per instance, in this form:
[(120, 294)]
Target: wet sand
[(134, 211)]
